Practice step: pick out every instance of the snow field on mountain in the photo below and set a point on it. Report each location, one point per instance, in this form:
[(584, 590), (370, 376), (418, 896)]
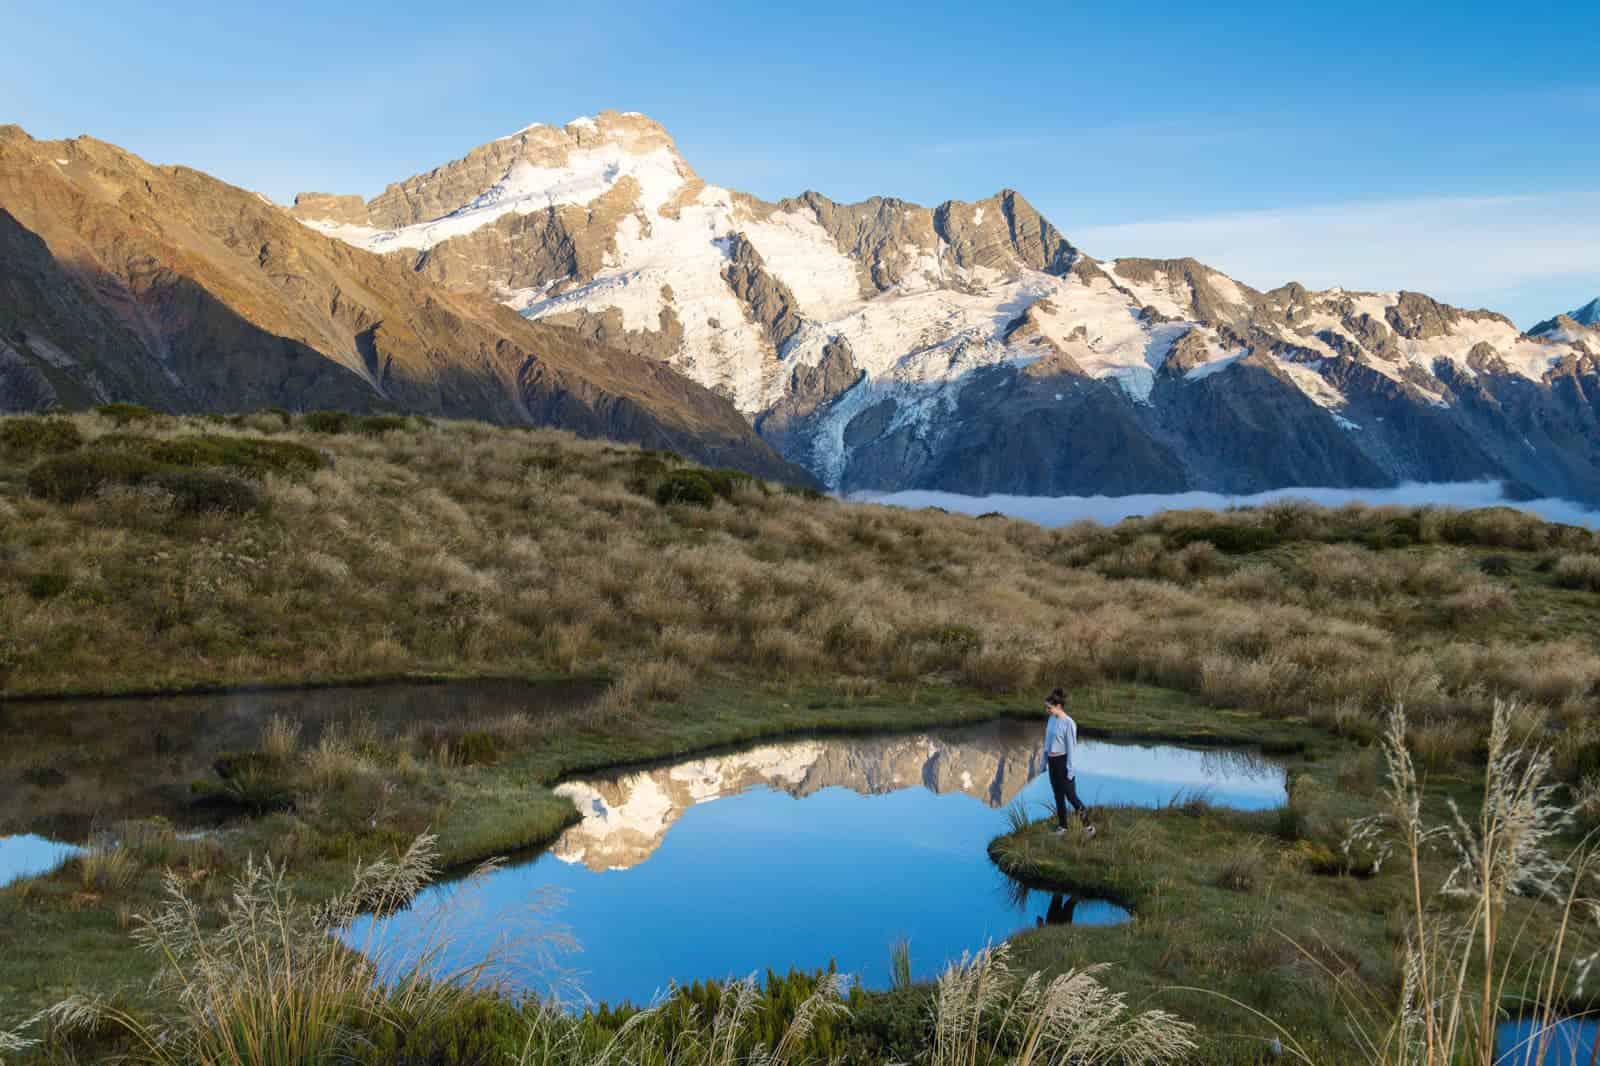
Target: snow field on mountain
[(588, 174), (798, 252)]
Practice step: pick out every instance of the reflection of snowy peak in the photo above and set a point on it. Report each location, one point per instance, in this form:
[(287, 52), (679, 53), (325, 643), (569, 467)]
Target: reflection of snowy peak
[(625, 819), (971, 347)]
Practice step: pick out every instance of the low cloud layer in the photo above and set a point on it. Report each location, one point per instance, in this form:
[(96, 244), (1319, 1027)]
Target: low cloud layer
[(1061, 510)]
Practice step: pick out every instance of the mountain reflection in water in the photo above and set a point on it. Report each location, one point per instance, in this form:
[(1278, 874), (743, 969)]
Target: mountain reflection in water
[(801, 853)]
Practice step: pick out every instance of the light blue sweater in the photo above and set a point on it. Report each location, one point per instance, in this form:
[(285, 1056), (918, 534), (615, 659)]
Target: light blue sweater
[(1061, 738)]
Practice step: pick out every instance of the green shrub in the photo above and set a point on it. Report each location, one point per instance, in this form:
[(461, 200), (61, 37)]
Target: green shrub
[(29, 437), (335, 422), (726, 482), (47, 586), (79, 475), (805, 492), (685, 486), (124, 413), (202, 491), (326, 421), (249, 456), (377, 425), (1495, 565), (1229, 539)]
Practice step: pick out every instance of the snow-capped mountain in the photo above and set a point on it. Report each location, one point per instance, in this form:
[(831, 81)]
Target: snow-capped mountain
[(971, 346)]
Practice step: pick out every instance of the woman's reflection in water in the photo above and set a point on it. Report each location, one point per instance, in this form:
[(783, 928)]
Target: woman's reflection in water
[(1059, 912)]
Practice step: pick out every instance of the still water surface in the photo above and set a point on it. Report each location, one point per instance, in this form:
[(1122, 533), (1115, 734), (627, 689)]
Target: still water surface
[(28, 855), (1568, 1042), (799, 853)]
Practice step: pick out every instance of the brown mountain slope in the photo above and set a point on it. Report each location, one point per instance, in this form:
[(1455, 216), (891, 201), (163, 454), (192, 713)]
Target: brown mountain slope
[(161, 285)]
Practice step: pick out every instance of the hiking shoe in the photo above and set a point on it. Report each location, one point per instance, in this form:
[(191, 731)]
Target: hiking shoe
[(1061, 830), (1088, 830)]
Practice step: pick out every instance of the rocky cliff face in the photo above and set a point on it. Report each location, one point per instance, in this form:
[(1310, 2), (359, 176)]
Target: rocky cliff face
[(124, 281), (972, 347)]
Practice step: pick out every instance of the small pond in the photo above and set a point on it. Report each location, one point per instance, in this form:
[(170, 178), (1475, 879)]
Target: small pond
[(798, 853), (28, 855), (68, 767), (1568, 1042)]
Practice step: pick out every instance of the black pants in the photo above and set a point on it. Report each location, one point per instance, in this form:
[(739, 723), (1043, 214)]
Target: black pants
[(1065, 789)]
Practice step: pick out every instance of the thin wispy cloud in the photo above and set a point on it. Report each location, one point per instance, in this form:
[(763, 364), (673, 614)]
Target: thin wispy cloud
[(1463, 249)]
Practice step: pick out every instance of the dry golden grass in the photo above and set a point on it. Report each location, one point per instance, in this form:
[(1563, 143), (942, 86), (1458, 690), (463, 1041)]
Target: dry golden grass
[(469, 549)]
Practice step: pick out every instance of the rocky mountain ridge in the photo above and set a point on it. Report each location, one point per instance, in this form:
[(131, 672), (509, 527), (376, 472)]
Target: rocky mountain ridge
[(972, 347), (120, 280)]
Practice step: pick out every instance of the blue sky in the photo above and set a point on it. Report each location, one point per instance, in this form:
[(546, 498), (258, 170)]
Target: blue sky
[(1455, 150)]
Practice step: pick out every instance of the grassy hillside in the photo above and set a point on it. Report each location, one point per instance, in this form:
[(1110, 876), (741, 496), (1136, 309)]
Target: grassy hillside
[(251, 551), (141, 552)]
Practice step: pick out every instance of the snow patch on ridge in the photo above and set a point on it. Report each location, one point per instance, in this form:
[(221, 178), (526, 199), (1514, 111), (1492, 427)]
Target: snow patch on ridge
[(1205, 370), (588, 174)]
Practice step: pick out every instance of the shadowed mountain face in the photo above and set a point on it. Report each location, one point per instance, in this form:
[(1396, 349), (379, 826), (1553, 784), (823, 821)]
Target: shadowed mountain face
[(160, 285), (971, 347)]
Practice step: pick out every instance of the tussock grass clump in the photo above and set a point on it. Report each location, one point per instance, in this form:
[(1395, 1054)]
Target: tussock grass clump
[(280, 737), (106, 867), (985, 1012), (1578, 572), (1244, 869)]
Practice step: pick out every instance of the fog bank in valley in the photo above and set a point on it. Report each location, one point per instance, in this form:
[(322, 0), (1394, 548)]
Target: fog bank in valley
[(1062, 510)]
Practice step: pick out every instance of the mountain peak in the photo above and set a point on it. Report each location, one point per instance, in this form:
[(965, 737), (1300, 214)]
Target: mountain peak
[(538, 167), (1588, 314)]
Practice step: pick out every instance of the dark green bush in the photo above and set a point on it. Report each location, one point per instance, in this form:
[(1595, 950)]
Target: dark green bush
[(203, 491), (47, 586), (685, 486), (1495, 565), (124, 413), (247, 455), (30, 437), (805, 492), (335, 422), (326, 421), (79, 475), (377, 425), (726, 482), (1229, 539)]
